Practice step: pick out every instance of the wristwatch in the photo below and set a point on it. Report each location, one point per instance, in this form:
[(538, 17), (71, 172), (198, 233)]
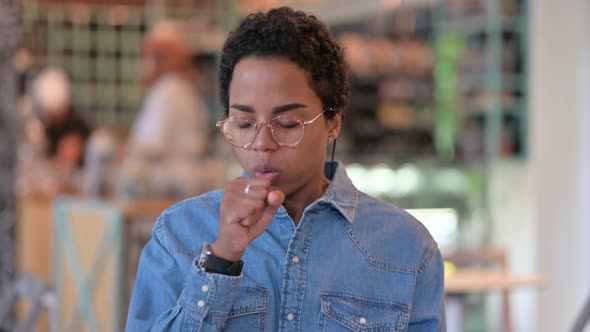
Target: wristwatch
[(211, 263)]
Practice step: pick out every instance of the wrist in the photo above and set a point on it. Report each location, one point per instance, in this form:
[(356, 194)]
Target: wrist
[(211, 263), (228, 254)]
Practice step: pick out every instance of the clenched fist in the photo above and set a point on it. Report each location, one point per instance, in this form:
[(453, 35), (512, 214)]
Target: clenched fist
[(246, 210)]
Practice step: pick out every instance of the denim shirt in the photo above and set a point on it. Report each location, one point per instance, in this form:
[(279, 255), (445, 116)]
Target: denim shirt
[(353, 263)]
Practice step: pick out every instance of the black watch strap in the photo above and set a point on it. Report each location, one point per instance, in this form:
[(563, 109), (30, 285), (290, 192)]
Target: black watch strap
[(213, 264)]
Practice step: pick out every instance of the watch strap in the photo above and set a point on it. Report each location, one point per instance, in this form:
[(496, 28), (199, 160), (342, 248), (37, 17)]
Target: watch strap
[(211, 263)]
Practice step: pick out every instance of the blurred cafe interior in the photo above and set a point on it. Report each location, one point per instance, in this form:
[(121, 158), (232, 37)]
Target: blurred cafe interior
[(474, 115)]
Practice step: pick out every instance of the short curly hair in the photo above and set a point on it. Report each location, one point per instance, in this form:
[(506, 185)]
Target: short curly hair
[(298, 37)]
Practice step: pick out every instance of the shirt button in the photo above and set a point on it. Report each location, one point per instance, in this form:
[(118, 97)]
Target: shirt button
[(295, 259), (201, 303), (363, 320), (290, 317), (205, 288)]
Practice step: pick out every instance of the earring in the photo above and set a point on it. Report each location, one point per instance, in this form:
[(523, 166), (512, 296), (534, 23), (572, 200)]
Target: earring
[(330, 139)]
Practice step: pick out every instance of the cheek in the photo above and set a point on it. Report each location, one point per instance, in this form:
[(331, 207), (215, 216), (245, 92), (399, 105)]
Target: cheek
[(311, 153), (242, 156)]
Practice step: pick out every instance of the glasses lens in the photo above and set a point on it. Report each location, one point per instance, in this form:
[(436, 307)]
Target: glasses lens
[(239, 131), (286, 130)]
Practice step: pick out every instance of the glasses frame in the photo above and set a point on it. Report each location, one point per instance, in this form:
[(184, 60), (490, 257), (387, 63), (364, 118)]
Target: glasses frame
[(268, 124)]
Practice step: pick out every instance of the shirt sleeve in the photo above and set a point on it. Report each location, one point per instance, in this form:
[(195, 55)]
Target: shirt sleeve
[(428, 308), (167, 298)]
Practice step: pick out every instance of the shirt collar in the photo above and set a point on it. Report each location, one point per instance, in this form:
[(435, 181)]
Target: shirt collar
[(341, 193)]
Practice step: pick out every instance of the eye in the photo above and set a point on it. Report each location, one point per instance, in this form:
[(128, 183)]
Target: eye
[(287, 123), (242, 123)]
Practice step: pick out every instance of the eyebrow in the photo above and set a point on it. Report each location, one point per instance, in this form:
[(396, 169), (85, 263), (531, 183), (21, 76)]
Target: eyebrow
[(275, 110)]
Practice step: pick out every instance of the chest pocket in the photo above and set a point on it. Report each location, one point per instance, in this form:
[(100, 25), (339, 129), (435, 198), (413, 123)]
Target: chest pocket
[(344, 312), (249, 310)]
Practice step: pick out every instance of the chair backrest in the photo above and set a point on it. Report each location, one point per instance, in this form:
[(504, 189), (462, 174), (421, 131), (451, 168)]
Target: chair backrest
[(33, 234), (33, 247), (88, 264), (483, 257)]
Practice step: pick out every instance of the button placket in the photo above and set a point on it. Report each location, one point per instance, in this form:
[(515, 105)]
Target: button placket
[(294, 274)]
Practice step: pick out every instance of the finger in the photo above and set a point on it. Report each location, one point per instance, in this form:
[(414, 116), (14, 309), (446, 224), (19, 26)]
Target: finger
[(249, 187), (255, 192), (243, 182), (237, 207), (274, 200), (252, 212)]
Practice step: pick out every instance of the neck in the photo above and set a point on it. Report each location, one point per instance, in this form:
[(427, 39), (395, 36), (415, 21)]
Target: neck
[(298, 201)]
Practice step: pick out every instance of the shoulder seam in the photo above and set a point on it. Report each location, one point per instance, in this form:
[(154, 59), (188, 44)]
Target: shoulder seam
[(428, 259)]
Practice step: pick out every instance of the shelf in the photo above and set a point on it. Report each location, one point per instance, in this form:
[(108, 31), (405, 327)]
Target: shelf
[(486, 77), (510, 82), (98, 44), (474, 25), (478, 113)]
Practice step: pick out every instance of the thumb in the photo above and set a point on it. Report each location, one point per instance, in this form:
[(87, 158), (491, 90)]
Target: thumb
[(274, 199)]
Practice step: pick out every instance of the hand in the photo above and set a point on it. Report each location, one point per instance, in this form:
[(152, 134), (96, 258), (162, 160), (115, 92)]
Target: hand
[(243, 217)]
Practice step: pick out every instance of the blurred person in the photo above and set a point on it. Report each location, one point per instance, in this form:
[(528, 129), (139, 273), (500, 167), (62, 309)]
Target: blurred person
[(65, 131), (289, 245), (51, 153), (169, 136)]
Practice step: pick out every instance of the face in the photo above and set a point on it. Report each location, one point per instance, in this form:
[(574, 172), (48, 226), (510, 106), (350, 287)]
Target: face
[(69, 150), (160, 56), (264, 88)]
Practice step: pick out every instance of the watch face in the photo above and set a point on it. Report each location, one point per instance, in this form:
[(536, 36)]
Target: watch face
[(203, 256)]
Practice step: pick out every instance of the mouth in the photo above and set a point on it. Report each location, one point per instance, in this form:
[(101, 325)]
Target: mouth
[(266, 172)]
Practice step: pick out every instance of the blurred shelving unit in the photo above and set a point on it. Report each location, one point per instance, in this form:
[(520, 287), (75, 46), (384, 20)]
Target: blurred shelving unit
[(391, 102), (438, 95), (481, 105), (480, 83), (98, 43), (444, 79), (482, 92)]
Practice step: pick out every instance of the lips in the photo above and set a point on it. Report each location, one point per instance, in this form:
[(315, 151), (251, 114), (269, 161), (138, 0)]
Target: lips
[(266, 172)]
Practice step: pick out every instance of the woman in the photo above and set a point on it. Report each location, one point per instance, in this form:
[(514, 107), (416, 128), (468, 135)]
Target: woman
[(292, 245)]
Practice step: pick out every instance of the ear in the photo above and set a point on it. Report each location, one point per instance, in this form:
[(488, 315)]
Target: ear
[(334, 125)]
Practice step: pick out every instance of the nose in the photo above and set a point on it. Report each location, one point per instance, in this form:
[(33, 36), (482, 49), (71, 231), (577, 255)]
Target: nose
[(264, 140)]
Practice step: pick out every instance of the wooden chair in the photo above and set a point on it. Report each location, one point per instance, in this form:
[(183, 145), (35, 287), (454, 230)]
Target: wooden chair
[(33, 247), (87, 261), (493, 258)]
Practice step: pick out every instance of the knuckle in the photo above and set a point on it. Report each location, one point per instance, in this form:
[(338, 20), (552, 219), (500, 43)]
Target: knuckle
[(251, 209), (260, 205)]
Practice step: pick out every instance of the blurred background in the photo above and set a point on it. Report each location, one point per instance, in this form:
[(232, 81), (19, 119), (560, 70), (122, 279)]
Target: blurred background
[(472, 114)]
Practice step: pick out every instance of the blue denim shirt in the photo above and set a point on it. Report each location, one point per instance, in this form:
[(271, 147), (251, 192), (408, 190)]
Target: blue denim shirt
[(353, 263)]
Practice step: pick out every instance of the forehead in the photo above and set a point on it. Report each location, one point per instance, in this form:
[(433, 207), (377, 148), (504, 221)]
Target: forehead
[(257, 79)]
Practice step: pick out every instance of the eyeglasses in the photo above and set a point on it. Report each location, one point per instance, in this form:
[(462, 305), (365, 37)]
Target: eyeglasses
[(287, 130)]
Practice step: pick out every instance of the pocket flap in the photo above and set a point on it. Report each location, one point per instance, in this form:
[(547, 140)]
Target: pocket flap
[(250, 299), (363, 314)]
